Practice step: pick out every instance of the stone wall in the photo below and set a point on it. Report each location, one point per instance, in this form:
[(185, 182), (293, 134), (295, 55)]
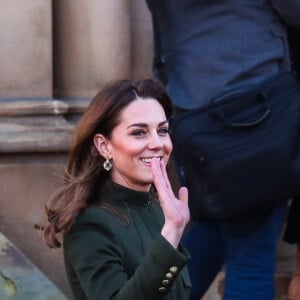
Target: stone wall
[(55, 56)]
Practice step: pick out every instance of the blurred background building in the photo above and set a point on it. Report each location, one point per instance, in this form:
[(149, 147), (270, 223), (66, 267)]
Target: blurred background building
[(54, 57)]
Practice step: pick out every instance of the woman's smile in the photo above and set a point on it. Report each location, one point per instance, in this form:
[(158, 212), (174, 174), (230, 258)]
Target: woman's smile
[(147, 160)]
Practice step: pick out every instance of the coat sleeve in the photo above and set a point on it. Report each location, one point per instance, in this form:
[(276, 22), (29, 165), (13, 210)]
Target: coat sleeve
[(289, 10), (93, 251)]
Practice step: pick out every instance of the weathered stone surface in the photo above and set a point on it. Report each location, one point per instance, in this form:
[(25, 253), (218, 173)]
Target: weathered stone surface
[(32, 107), (35, 134), (27, 182), (20, 279), (141, 40), (92, 45), (26, 48)]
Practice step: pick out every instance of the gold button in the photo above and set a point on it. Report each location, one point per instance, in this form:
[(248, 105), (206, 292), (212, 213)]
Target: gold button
[(174, 270), (169, 276), (165, 282), (162, 289)]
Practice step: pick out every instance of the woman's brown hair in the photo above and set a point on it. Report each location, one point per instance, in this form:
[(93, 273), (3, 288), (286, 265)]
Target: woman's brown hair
[(85, 168)]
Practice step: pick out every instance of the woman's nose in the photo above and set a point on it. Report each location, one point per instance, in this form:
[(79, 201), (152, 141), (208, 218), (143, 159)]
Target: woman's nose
[(155, 141)]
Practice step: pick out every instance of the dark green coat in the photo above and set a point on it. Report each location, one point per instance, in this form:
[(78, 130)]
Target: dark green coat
[(115, 251)]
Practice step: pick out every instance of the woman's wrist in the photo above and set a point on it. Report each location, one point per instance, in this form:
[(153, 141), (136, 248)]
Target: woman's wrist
[(172, 234)]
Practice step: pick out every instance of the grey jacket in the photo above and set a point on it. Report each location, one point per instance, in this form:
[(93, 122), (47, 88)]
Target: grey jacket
[(205, 48)]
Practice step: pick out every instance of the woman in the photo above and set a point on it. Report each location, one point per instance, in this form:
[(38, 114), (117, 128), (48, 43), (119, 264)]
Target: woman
[(119, 241)]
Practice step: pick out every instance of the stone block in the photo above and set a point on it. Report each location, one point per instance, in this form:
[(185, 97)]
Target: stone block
[(26, 48)]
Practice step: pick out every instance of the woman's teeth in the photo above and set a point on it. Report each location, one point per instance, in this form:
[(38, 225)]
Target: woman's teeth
[(148, 159)]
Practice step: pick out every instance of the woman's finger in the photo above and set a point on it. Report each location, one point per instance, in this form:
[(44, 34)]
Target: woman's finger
[(165, 175), (158, 179), (183, 194)]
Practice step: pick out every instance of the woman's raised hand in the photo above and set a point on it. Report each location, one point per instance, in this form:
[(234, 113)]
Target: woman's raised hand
[(176, 210)]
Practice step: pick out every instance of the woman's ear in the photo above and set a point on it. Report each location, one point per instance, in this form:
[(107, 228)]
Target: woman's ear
[(102, 145)]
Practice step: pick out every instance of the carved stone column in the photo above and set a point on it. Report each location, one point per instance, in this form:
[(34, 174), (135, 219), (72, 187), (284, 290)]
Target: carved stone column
[(34, 134), (141, 40), (91, 45), (26, 48)]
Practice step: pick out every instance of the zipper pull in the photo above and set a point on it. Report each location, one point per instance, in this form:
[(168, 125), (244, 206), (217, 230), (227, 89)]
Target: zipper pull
[(149, 201)]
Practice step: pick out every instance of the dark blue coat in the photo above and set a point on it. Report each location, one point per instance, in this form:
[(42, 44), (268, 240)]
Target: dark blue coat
[(205, 48)]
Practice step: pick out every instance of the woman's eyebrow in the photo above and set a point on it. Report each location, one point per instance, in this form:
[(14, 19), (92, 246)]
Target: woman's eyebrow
[(146, 125)]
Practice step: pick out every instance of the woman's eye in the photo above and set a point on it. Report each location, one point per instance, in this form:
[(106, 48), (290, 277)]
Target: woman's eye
[(164, 131), (138, 132)]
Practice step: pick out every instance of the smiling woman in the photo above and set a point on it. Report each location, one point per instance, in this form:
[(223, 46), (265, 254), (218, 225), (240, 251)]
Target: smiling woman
[(117, 194)]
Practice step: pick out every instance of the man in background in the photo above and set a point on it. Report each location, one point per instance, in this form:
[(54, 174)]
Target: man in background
[(203, 50)]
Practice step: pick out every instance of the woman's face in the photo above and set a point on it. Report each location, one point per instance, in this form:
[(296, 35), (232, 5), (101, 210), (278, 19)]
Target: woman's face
[(141, 135)]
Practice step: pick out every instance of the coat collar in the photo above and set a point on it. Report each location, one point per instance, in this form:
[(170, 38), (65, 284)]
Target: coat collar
[(116, 194)]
